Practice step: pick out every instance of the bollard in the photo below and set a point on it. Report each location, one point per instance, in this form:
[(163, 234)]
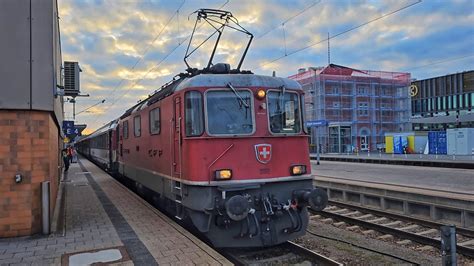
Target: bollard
[(472, 154), (448, 245), (45, 192), (421, 152)]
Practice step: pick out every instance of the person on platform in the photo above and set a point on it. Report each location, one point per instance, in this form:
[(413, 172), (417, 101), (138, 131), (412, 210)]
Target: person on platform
[(64, 154), (73, 155), (69, 154)]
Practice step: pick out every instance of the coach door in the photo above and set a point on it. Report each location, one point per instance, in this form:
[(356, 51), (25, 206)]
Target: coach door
[(177, 137)]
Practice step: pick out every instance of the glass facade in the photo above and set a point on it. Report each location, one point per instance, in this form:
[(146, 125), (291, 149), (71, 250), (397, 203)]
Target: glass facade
[(449, 97)]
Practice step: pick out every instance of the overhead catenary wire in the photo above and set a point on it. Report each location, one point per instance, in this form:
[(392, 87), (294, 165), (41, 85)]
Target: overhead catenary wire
[(290, 18), (146, 50), (440, 62), (159, 62), (339, 34), (153, 67)]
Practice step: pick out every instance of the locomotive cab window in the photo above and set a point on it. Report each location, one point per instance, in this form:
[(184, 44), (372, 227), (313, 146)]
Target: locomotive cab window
[(284, 112), (137, 131), (229, 112), (194, 114), (155, 121), (125, 130)]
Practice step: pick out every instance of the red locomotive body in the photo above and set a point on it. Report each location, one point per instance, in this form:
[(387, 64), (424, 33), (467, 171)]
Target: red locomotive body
[(224, 149), (227, 151)]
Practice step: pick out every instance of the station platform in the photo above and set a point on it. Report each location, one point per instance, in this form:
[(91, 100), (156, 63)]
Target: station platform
[(436, 194), (104, 222), (431, 160), (460, 181)]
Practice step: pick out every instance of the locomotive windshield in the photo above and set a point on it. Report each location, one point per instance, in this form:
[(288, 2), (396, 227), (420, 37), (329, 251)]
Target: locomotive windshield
[(284, 112), (229, 113)]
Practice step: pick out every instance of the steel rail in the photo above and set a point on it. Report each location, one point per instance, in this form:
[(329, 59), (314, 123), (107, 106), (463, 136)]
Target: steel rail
[(362, 247), (459, 230), (289, 248), (468, 252)]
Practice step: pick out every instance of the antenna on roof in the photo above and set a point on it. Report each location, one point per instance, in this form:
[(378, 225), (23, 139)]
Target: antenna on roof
[(329, 50)]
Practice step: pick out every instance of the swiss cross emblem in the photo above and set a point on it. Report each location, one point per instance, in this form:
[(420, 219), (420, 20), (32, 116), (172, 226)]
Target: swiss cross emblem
[(263, 152)]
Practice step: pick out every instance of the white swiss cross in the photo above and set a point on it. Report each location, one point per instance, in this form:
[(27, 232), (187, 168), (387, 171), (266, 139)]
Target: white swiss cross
[(265, 153)]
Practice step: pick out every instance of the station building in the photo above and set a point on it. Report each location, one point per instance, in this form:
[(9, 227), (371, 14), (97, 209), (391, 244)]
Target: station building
[(354, 107), (31, 112), (443, 102)]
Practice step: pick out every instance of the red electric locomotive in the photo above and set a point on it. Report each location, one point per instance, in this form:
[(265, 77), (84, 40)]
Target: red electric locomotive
[(224, 149)]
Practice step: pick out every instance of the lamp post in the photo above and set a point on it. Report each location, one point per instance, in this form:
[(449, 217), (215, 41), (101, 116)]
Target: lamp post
[(73, 101)]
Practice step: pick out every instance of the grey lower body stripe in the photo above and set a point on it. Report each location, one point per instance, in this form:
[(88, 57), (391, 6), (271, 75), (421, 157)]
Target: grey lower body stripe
[(135, 247)]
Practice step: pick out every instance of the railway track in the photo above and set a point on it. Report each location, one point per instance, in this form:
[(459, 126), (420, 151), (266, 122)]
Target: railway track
[(393, 225), (287, 253)]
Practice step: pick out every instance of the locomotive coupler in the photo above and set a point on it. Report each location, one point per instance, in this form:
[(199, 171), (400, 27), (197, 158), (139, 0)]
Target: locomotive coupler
[(268, 207), (316, 198)]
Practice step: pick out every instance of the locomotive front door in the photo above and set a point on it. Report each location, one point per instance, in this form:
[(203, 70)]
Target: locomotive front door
[(177, 137)]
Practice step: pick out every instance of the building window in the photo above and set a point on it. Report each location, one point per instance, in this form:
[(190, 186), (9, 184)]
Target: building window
[(386, 91), (155, 121), (335, 90), (362, 91), (363, 109), (125, 130), (455, 101), (472, 99), (137, 130)]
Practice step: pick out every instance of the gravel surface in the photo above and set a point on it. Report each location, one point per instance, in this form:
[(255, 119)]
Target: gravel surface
[(354, 255)]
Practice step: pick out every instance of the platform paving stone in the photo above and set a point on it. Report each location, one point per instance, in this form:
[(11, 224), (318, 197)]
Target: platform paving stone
[(100, 213), (156, 231)]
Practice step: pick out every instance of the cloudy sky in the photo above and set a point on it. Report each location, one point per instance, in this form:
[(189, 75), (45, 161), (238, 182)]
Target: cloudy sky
[(128, 48)]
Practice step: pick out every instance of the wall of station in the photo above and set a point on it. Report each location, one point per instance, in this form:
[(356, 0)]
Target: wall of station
[(29, 146), (31, 112)]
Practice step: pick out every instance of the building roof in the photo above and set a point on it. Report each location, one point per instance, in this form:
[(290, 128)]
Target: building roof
[(343, 71)]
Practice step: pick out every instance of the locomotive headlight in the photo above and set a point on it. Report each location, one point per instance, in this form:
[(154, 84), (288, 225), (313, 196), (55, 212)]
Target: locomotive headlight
[(260, 94), (298, 170), (223, 174)]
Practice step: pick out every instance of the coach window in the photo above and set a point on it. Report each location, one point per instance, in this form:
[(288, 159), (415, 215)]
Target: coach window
[(125, 130), (194, 114), (137, 127), (284, 112), (155, 121)]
